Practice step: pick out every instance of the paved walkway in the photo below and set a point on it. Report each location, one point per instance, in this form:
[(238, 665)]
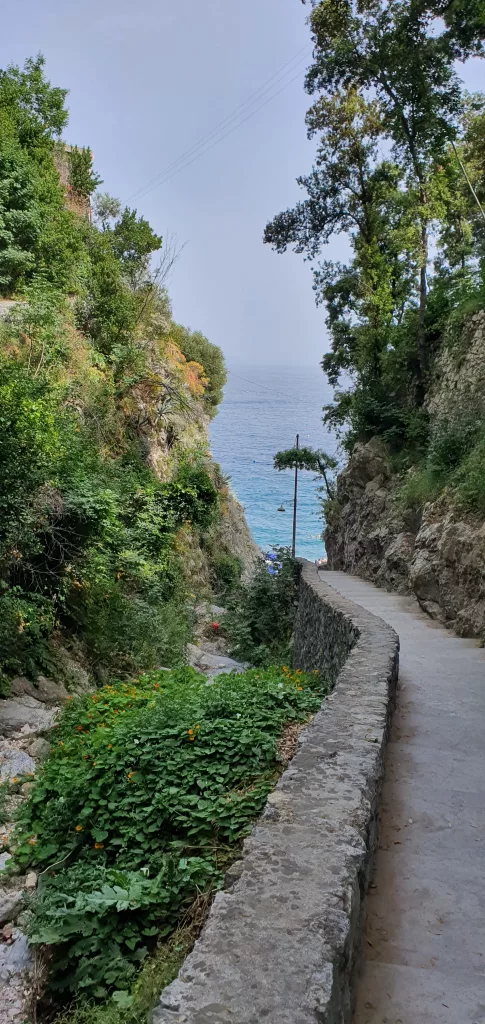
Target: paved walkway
[(424, 946)]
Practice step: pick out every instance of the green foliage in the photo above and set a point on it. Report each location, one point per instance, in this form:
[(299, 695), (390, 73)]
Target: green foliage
[(102, 920), (26, 624), (311, 459), (30, 106), (227, 570), (133, 242), (82, 178), (196, 348), (147, 785), (469, 482), (259, 622), (106, 209), (455, 460), (400, 151), (88, 534)]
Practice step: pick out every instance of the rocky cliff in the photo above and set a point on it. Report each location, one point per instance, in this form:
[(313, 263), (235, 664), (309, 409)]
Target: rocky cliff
[(436, 551)]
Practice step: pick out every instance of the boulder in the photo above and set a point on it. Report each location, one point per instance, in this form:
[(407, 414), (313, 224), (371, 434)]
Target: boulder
[(212, 664), (14, 763), (50, 692), (40, 749), (17, 712), (10, 906)]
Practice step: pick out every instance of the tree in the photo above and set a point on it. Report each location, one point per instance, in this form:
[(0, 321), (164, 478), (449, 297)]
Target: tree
[(313, 459), (133, 241), (393, 50), (20, 218), (196, 348), (82, 179), (30, 106), (106, 209), (350, 191)]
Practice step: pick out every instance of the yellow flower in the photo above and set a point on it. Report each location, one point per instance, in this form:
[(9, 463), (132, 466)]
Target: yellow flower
[(299, 687), (15, 780), (130, 774), (99, 846), (190, 732), (79, 828), (32, 842), (110, 746)]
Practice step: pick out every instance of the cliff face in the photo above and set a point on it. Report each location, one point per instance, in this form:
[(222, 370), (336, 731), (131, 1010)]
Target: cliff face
[(438, 551)]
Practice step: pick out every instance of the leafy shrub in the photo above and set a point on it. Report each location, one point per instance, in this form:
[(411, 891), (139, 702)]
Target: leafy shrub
[(82, 178), (450, 441), (26, 623), (147, 785), (469, 482), (259, 622), (420, 485), (196, 348), (227, 570), (455, 459), (102, 920)]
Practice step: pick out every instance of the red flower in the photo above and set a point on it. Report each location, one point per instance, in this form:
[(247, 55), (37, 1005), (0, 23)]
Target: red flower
[(215, 627)]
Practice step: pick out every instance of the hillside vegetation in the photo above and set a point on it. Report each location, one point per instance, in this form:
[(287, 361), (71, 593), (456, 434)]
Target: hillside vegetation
[(400, 174), (105, 479)]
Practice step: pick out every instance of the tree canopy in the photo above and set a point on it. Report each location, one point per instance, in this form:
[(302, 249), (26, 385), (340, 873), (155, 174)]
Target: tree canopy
[(395, 147)]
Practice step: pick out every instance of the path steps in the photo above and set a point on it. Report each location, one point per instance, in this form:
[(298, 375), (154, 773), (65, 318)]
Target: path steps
[(424, 943)]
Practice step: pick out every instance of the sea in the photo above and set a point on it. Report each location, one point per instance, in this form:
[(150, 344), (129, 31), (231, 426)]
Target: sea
[(263, 409)]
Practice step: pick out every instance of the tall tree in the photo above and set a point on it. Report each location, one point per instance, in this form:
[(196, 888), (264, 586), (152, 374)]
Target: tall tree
[(394, 50), (350, 191)]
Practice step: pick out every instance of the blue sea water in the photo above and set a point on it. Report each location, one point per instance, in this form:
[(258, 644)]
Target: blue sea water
[(262, 411)]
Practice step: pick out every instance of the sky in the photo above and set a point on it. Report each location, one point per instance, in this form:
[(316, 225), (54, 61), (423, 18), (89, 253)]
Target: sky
[(147, 80)]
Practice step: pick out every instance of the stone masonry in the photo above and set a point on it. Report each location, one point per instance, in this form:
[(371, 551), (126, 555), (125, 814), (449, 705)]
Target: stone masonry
[(281, 941)]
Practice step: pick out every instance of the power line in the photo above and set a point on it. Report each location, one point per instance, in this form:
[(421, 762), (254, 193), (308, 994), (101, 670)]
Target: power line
[(292, 398), (200, 148)]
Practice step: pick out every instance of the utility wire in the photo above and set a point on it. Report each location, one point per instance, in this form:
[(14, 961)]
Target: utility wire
[(292, 398), (467, 179), (227, 125)]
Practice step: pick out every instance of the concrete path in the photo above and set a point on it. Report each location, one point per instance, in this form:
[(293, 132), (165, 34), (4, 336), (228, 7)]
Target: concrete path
[(424, 946)]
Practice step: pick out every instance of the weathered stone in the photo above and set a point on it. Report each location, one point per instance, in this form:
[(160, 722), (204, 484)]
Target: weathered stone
[(50, 692), (30, 880), (40, 749), (20, 686), (279, 945), (212, 664), (75, 676), (18, 712), (423, 579), (14, 958), (14, 763), (10, 905)]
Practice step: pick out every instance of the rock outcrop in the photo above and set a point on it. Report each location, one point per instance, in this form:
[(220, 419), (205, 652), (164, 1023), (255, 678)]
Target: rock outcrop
[(438, 554)]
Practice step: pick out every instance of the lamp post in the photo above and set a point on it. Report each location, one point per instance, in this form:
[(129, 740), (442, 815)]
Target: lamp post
[(295, 500)]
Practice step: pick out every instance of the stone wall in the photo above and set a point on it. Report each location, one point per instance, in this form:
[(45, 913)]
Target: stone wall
[(281, 941)]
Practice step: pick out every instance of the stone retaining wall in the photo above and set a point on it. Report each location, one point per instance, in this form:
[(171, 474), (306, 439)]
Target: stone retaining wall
[(280, 943)]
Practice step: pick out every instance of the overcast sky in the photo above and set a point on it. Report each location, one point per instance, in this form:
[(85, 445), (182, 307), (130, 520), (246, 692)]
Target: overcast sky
[(147, 79)]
